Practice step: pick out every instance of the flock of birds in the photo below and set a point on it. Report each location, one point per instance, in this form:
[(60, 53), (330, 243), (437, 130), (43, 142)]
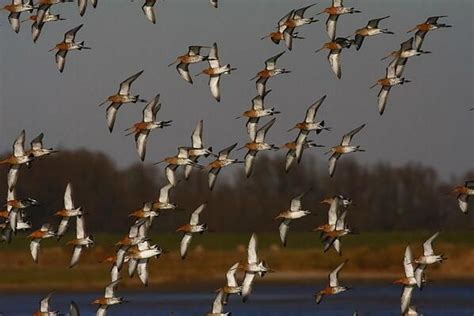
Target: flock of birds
[(136, 249)]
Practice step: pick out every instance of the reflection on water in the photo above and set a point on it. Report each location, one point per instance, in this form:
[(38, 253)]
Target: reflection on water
[(267, 299)]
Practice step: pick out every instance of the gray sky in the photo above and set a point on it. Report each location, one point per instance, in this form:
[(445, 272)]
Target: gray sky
[(426, 120)]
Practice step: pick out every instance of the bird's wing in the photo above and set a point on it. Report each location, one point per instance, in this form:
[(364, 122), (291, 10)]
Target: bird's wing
[(141, 139), (34, 249), (110, 289), (463, 201), (375, 22), (383, 98), (111, 114), (224, 153), (407, 45), (262, 131), (332, 163), (270, 63), (150, 110), (333, 281), (217, 308), (408, 263), (346, 139), (185, 242), (428, 245), (249, 162), (183, 70), (195, 215), (196, 138), (164, 193), (37, 142), (230, 276), (63, 226), (406, 298), (214, 57), (76, 254), (82, 6), (252, 250), (283, 229), (142, 271), (44, 304), (331, 24), (335, 62), (212, 177), (247, 285), (80, 227), (19, 145), (71, 34), (74, 309), (125, 85), (312, 110), (149, 11), (13, 176), (68, 201), (214, 85)]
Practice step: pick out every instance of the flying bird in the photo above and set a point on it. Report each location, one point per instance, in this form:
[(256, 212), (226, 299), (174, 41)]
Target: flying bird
[(122, 96), (190, 229), (428, 258), (371, 29), (46, 231), (45, 308), (291, 153), (222, 161), (429, 25), (16, 160), (344, 148), (42, 16), (142, 129), (281, 35), (270, 71), (295, 20), (257, 144), (181, 159), (108, 299), (408, 282), (192, 57), (67, 45), (333, 288), (231, 287), (252, 267), (308, 125), (406, 51), (335, 48), (197, 149), (16, 8), (139, 256), (37, 149), (81, 241), (67, 212), (256, 112), (391, 79), (294, 212), (214, 71), (334, 11), (463, 193)]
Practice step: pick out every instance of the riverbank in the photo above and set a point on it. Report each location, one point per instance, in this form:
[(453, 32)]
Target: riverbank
[(372, 257)]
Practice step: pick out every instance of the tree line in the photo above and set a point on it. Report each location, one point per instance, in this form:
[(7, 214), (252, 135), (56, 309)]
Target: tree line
[(386, 197)]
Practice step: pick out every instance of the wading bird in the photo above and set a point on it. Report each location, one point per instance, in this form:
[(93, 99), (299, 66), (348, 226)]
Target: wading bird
[(142, 129), (333, 288), (122, 96), (344, 148), (67, 45)]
